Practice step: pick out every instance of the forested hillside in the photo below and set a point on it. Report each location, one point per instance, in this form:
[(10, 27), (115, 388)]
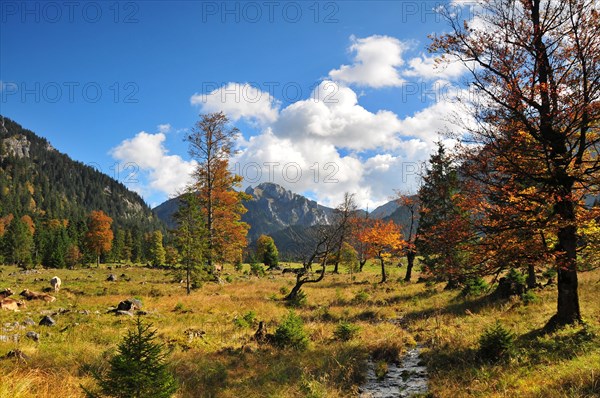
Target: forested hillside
[(54, 195)]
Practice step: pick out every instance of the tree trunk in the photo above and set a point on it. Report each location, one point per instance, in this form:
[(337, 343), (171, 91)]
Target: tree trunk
[(531, 278), (410, 261), (98, 261), (383, 275), (568, 311), (336, 266), (292, 295), (188, 278), (361, 264)]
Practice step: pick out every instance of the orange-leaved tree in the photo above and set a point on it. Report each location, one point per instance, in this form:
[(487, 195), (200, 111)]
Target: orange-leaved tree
[(383, 240), (211, 145), (99, 236), (540, 80)]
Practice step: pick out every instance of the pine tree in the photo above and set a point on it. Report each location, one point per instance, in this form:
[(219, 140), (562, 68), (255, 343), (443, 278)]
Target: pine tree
[(18, 243), (156, 249), (266, 251), (190, 237), (139, 369), (441, 226)]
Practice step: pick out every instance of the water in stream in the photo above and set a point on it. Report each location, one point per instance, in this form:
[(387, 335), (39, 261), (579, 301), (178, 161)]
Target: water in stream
[(403, 380)]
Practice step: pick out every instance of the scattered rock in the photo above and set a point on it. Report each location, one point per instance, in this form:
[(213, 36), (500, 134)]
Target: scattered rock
[(17, 354), (194, 333), (28, 322), (111, 278), (84, 312), (121, 312), (129, 305), (47, 321), (13, 338), (33, 336)]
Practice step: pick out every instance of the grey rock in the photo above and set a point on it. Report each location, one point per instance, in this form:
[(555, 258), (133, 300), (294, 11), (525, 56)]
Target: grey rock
[(47, 321), (33, 336), (28, 322), (111, 278), (13, 338), (121, 312)]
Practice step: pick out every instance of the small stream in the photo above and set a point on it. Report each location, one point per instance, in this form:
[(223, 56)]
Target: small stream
[(404, 380)]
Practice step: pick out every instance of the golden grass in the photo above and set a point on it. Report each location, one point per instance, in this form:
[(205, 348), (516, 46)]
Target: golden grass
[(227, 362)]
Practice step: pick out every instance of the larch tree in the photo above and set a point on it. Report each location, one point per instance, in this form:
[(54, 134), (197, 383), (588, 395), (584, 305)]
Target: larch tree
[(534, 66), (99, 236), (384, 241), (211, 145)]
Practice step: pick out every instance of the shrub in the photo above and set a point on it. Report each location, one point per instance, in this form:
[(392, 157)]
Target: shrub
[(291, 333), (257, 269), (496, 343), (381, 370), (238, 265), (474, 287), (284, 290), (246, 320), (529, 297), (361, 297), (138, 369), (345, 331), (299, 300)]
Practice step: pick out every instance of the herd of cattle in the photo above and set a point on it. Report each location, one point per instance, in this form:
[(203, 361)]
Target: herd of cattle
[(7, 303)]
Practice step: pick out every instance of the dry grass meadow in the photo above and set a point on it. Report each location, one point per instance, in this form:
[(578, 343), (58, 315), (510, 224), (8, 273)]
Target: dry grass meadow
[(226, 361)]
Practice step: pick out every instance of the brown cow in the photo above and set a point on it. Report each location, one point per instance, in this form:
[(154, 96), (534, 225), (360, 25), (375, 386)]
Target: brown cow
[(29, 295), (10, 304), (5, 293)]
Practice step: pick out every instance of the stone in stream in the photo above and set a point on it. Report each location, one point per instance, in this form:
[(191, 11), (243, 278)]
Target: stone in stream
[(405, 380)]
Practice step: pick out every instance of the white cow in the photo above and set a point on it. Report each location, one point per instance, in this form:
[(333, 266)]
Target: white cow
[(55, 282)]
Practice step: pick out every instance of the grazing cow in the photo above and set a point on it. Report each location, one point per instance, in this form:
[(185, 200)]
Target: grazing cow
[(11, 305), (29, 295), (55, 282), (5, 293)]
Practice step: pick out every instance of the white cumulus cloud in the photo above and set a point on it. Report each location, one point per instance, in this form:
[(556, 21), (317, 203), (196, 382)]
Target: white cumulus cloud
[(332, 115), (375, 64), (166, 174), (239, 100)]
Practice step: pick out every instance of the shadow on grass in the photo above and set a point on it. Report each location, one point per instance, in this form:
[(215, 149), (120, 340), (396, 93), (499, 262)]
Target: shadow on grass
[(458, 306), (539, 346)]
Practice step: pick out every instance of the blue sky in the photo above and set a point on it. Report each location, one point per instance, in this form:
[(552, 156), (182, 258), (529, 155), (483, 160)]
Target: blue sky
[(329, 96)]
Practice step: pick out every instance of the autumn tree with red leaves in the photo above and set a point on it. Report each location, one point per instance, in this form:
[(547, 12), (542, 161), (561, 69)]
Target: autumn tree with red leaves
[(211, 145), (383, 241), (535, 69), (99, 236)]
